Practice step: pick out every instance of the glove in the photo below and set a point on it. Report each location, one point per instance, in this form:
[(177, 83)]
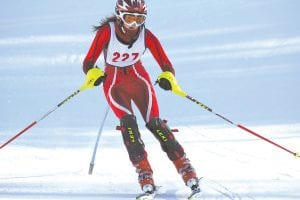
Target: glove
[(167, 81), (94, 77), (164, 83)]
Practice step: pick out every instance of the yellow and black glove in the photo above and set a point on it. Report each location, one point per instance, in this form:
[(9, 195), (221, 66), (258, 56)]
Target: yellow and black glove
[(94, 77), (167, 81)]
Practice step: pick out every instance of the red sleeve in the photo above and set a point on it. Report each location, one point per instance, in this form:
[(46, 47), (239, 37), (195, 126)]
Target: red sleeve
[(101, 39), (153, 44)]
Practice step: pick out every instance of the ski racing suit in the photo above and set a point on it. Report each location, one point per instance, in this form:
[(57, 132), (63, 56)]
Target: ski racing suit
[(127, 81)]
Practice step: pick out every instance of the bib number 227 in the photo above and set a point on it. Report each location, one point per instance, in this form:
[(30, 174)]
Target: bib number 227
[(118, 57)]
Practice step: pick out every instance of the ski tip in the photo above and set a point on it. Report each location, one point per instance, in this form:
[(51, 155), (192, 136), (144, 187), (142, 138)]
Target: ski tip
[(297, 155)]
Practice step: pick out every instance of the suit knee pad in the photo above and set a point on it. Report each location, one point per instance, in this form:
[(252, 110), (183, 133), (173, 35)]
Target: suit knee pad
[(132, 139), (166, 138)]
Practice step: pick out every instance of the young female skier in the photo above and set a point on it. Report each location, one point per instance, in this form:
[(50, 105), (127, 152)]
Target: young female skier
[(123, 39)]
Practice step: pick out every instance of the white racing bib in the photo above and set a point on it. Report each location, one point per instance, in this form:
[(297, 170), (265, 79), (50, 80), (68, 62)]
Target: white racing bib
[(118, 54)]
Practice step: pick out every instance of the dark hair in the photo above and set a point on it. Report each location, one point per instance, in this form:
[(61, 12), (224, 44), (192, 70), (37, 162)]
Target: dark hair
[(105, 21)]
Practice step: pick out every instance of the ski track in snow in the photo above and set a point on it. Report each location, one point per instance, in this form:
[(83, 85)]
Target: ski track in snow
[(44, 173)]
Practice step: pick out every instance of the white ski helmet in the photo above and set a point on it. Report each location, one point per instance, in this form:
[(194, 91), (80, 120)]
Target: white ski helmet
[(131, 11)]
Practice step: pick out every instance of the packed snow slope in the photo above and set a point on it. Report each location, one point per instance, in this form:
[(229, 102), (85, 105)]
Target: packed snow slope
[(240, 58)]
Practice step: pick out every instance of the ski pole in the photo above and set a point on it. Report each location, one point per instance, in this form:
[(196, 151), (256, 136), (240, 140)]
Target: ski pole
[(240, 126), (94, 77), (43, 117), (177, 90), (92, 163)]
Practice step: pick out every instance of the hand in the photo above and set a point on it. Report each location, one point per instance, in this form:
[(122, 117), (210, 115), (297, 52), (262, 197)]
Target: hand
[(167, 81), (94, 77), (164, 84)]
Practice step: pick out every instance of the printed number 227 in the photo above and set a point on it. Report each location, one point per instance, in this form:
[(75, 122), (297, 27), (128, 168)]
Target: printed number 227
[(124, 57)]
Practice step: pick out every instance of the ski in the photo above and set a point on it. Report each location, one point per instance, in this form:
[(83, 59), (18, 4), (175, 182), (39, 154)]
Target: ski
[(195, 195), (148, 196)]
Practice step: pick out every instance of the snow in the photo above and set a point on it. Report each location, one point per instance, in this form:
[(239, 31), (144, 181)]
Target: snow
[(238, 57), (234, 165)]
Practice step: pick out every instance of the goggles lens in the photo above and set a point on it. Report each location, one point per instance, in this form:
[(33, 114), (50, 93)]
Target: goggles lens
[(131, 18)]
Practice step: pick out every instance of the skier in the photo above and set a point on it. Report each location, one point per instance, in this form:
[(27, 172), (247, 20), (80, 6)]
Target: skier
[(123, 39)]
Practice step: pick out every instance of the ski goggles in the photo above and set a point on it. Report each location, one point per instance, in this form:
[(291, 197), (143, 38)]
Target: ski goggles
[(133, 18)]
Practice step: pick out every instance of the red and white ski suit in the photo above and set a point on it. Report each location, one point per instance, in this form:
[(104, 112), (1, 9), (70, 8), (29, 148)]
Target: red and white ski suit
[(127, 79)]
